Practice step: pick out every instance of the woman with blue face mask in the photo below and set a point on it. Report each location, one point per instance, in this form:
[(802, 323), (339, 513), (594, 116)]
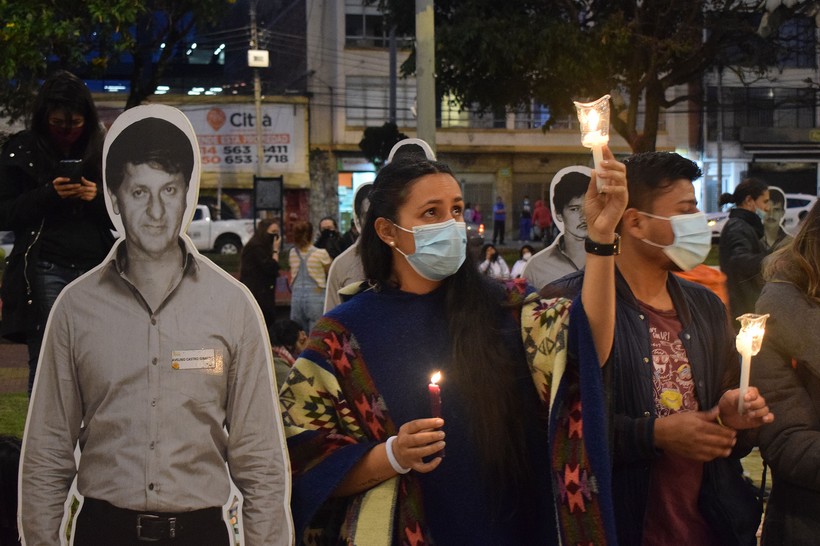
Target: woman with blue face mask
[(367, 451), (741, 245)]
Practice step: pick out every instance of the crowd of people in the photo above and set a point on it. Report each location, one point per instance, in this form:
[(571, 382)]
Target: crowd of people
[(587, 395)]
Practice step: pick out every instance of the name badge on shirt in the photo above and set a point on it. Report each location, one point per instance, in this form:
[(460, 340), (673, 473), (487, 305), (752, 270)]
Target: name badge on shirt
[(197, 359)]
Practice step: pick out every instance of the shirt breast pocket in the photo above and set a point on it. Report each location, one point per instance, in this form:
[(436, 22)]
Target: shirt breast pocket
[(198, 376)]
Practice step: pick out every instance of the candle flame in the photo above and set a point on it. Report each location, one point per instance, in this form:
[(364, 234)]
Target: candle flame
[(592, 119), (435, 378), (750, 337)]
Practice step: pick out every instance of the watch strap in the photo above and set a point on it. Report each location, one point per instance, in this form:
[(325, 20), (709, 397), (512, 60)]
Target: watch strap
[(603, 249)]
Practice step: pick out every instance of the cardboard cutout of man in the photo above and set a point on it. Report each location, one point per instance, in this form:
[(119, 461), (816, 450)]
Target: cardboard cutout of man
[(566, 254), (347, 267), (158, 363), (774, 235)]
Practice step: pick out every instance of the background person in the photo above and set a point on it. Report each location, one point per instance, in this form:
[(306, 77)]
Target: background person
[(787, 370), (152, 364), (429, 309), (741, 245), (308, 269), (329, 238), (566, 254), (499, 220), (493, 264), (542, 223), (60, 225), (525, 253), (525, 220), (259, 266), (288, 340)]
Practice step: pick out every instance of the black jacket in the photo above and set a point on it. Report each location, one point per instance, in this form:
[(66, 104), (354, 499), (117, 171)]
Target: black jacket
[(259, 271), (75, 232), (710, 346), (741, 255)]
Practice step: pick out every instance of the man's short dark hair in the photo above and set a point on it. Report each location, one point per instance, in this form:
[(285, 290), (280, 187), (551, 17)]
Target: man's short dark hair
[(572, 185), (152, 141), (648, 173)]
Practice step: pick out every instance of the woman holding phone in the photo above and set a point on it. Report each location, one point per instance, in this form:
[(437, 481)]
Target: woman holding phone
[(50, 175)]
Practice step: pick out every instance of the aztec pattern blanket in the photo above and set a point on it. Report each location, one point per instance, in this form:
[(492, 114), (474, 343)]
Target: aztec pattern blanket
[(333, 415)]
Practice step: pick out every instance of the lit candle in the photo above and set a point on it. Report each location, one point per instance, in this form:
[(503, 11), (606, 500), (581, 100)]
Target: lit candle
[(435, 394), (748, 342), (594, 119)]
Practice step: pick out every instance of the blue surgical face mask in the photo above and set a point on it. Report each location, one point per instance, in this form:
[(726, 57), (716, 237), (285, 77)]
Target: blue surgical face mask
[(693, 239), (761, 213), (440, 249)]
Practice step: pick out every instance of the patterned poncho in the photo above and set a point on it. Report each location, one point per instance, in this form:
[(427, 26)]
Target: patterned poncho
[(334, 413)]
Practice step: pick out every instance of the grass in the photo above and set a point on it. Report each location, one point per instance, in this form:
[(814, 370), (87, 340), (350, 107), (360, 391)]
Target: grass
[(13, 408)]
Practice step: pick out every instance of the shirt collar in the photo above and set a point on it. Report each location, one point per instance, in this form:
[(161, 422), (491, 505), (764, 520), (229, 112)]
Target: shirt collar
[(118, 258)]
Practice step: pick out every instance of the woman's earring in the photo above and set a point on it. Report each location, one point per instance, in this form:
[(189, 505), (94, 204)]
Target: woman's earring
[(392, 243)]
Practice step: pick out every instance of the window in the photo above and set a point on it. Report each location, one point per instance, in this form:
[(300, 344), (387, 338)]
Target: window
[(364, 26), (368, 101), (798, 41), (761, 107), (531, 116)]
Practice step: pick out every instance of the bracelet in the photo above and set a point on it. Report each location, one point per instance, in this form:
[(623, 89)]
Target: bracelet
[(391, 458)]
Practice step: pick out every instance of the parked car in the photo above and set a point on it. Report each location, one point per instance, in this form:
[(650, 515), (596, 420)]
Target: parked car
[(797, 207), (221, 236), (715, 221)]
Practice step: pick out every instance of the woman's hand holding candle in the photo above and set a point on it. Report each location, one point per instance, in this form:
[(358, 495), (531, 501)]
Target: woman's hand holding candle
[(417, 440)]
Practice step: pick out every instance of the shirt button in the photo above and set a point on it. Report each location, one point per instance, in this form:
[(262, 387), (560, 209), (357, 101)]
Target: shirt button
[(151, 446), (686, 336), (154, 361), (646, 360), (150, 486), (153, 321), (641, 317), (153, 403), (646, 414)]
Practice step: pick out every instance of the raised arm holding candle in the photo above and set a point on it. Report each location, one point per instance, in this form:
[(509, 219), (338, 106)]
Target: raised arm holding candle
[(594, 119), (672, 348), (357, 404)]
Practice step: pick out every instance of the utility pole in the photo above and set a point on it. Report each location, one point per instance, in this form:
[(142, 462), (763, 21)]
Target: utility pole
[(393, 75), (425, 72), (257, 90)]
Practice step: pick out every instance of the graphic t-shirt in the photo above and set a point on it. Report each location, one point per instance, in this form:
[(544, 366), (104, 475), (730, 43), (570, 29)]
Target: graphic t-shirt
[(672, 515)]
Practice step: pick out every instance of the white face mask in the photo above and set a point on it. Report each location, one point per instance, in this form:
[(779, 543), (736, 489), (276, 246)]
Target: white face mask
[(526, 256), (693, 239)]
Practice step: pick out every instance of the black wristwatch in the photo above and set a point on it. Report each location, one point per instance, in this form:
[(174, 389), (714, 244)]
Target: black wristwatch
[(603, 249)]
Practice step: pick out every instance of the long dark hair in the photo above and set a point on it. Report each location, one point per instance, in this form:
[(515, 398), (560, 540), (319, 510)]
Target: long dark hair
[(65, 91), (261, 235), (750, 187), (798, 262), (485, 366)]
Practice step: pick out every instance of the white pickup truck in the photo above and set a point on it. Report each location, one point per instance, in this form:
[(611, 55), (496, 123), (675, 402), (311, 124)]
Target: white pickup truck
[(222, 236)]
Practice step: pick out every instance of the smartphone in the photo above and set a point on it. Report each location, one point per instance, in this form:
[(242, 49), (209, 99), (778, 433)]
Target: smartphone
[(71, 168)]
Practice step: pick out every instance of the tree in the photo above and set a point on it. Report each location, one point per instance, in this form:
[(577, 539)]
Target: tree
[(92, 34), (507, 54), (378, 141)]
